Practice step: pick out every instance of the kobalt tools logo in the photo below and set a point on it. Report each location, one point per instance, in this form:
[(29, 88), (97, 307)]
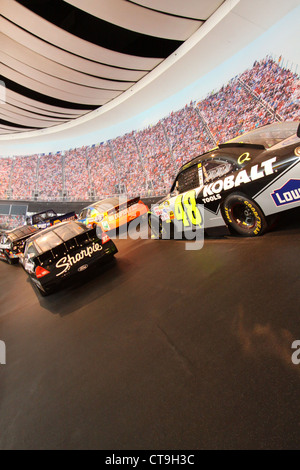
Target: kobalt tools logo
[(288, 193), (67, 261), (256, 172)]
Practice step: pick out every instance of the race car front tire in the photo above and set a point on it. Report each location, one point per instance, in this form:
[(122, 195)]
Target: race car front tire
[(243, 216), (155, 225), (159, 229)]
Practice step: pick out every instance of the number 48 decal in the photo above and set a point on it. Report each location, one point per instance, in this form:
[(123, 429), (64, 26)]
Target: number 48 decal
[(186, 209)]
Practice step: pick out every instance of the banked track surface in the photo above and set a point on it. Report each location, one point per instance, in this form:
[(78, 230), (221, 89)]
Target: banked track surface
[(164, 349)]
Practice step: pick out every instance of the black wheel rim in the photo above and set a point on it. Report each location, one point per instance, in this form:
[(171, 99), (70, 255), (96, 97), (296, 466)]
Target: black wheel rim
[(243, 216)]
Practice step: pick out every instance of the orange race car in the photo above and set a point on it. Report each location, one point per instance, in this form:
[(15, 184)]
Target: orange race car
[(111, 213)]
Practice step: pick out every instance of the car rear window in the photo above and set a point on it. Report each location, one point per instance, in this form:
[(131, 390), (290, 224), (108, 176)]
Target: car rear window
[(65, 232), (55, 237), (22, 232), (47, 242)]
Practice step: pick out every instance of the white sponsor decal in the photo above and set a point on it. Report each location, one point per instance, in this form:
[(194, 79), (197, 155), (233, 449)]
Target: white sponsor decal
[(289, 196), (157, 211), (105, 225), (123, 212), (83, 268), (5, 246), (211, 198), (67, 261), (242, 177), (200, 174)]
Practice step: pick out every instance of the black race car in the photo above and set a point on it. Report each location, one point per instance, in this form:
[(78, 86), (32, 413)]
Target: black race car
[(12, 243), (238, 186), (48, 218), (62, 251)]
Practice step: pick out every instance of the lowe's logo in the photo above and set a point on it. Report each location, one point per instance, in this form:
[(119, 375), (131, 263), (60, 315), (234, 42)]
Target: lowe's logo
[(290, 192)]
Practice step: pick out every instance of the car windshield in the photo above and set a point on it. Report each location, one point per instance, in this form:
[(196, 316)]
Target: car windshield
[(268, 136), (43, 216), (83, 214), (53, 237)]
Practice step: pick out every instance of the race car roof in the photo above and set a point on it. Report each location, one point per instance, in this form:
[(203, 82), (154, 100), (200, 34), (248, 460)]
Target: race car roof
[(267, 136), (57, 234), (21, 232), (106, 204)]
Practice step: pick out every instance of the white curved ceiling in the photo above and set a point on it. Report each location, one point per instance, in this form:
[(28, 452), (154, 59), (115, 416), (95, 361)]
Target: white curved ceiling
[(74, 66), (63, 59)]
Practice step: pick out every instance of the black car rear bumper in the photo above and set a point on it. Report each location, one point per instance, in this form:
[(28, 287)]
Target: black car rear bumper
[(51, 282)]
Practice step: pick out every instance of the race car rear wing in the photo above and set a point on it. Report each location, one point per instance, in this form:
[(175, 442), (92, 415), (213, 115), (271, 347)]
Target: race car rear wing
[(242, 144)]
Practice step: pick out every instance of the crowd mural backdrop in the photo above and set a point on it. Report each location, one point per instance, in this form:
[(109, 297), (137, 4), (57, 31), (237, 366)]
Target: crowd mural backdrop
[(144, 162)]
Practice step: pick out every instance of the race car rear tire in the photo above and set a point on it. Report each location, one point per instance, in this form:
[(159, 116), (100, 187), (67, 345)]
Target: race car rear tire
[(8, 259), (243, 216)]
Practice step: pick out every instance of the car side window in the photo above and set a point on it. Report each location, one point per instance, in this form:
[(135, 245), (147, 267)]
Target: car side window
[(187, 179), (83, 214), (213, 169), (203, 172), (37, 219), (30, 251)]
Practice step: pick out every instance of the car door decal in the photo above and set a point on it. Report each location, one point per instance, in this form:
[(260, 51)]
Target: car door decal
[(186, 209)]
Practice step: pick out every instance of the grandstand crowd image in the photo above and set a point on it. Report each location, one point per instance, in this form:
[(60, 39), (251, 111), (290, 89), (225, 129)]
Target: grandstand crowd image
[(149, 227)]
